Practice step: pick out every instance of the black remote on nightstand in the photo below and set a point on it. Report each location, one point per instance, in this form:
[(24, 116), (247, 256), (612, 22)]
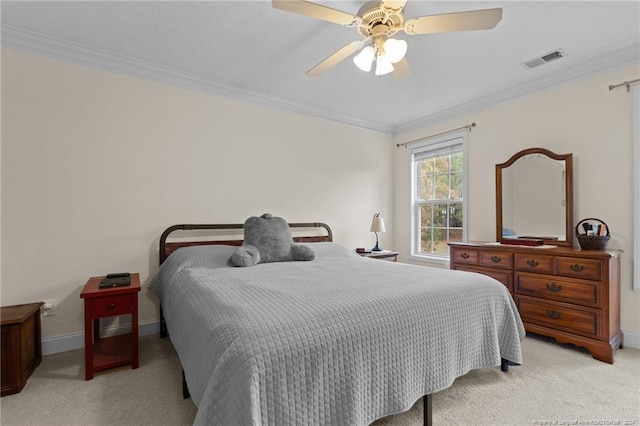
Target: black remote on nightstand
[(118, 275)]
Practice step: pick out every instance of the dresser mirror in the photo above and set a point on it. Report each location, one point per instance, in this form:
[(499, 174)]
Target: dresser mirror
[(534, 197)]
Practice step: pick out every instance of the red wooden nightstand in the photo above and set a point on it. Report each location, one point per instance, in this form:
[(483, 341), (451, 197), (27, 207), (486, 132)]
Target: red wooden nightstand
[(102, 353)]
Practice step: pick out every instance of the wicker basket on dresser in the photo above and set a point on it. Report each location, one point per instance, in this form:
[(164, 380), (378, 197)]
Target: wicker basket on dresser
[(568, 294)]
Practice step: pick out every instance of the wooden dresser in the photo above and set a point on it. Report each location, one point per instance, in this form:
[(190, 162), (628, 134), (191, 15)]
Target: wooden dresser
[(568, 294)]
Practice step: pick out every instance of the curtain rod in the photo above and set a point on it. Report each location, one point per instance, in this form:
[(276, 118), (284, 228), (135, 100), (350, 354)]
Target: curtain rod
[(468, 127), (626, 83)]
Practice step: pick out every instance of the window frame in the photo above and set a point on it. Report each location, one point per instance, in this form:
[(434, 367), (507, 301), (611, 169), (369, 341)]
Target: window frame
[(433, 144), (635, 285)]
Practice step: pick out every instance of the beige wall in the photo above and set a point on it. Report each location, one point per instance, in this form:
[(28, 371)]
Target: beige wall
[(96, 165), (581, 117)]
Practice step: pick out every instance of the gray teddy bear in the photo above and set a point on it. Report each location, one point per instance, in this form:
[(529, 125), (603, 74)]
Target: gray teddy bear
[(268, 239)]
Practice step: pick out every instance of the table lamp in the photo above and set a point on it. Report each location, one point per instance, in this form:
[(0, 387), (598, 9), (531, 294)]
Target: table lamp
[(377, 225)]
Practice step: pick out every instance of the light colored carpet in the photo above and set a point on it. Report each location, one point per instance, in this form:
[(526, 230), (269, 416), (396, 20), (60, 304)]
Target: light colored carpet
[(557, 385)]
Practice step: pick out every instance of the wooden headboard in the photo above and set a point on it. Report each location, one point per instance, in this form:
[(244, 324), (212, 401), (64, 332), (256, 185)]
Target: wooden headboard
[(166, 248)]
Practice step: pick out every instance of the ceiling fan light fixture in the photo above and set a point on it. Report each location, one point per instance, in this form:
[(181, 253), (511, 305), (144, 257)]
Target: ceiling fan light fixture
[(395, 49), (378, 20), (383, 65), (364, 59)]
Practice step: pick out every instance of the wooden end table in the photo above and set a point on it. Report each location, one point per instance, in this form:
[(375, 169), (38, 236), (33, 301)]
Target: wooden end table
[(384, 255), (21, 345), (102, 353)]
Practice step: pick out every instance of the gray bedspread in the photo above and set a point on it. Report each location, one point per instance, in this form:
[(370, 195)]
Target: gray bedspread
[(341, 340)]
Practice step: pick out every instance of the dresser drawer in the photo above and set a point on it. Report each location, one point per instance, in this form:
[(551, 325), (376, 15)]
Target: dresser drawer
[(464, 256), (534, 262), (112, 305), (496, 259), (590, 269), (558, 316), (505, 277), (550, 287)]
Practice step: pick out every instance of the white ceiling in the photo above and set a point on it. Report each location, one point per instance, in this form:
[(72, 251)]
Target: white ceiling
[(249, 50)]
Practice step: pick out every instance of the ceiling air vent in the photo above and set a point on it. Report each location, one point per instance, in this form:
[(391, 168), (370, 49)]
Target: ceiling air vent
[(544, 59)]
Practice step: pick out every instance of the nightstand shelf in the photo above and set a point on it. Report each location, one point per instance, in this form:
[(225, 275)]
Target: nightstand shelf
[(112, 352)]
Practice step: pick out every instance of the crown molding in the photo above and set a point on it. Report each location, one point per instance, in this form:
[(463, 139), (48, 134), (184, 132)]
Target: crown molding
[(55, 48), (620, 58)]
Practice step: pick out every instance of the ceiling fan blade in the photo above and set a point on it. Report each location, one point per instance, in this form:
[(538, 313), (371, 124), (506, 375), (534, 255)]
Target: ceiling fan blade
[(460, 21), (318, 11), (401, 69), (335, 59), (393, 5)]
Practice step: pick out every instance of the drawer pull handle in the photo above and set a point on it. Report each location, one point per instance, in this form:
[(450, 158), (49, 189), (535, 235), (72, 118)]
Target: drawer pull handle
[(112, 305), (577, 268), (532, 263), (554, 287), (464, 255), (553, 314), (495, 259)]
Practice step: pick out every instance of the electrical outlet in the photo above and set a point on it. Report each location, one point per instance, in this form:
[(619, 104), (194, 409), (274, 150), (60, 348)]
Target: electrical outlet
[(49, 308)]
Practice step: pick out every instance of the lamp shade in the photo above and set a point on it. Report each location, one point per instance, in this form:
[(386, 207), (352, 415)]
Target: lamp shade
[(377, 224), (383, 65), (395, 49), (364, 59)]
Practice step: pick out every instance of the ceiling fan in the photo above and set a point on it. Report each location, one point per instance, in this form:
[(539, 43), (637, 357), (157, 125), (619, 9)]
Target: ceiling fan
[(376, 22)]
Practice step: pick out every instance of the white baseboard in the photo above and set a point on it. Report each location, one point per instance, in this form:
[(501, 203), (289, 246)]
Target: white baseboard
[(630, 340), (69, 342)]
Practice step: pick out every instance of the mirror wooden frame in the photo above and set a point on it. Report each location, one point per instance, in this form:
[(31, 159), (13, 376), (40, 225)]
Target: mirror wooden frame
[(568, 159)]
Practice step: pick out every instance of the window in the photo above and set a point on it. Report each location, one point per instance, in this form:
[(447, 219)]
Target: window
[(438, 195)]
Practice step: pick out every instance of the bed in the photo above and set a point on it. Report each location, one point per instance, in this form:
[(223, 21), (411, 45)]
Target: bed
[(340, 340)]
